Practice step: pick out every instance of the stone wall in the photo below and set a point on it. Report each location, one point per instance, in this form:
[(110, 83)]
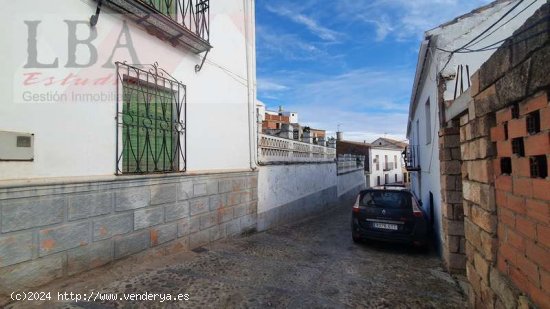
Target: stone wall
[(453, 250), (505, 188), (51, 231)]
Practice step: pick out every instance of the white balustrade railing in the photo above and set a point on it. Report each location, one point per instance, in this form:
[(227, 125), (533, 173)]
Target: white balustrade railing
[(348, 163), (279, 150)]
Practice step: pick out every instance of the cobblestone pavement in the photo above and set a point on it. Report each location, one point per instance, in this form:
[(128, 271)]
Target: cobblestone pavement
[(313, 264)]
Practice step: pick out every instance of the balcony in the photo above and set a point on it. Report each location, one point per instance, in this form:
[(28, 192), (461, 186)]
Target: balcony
[(184, 23), (411, 157), (388, 166)]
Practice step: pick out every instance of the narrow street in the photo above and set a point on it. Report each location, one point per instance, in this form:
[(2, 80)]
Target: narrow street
[(313, 264)]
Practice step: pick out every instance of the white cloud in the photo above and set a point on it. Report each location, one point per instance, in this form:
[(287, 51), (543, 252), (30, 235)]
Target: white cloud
[(269, 86), (311, 24), (274, 44), (404, 19), (369, 103)]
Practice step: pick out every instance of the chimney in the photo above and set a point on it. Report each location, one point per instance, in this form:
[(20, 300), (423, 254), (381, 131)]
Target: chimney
[(339, 136)]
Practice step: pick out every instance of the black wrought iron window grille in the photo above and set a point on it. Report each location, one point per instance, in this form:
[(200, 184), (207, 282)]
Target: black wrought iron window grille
[(151, 121), (191, 14), (183, 23)]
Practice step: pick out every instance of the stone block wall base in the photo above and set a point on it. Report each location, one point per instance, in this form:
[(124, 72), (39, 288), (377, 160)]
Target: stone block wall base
[(53, 231)]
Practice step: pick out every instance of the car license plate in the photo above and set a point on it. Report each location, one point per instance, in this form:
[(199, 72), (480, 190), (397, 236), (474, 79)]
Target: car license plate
[(385, 226)]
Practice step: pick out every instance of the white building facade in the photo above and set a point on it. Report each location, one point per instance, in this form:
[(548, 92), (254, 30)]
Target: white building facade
[(386, 166), (441, 76), (59, 95), (131, 130)]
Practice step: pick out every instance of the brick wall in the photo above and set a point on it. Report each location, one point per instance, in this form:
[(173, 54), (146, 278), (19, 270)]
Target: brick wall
[(451, 200), (523, 195), (505, 147)]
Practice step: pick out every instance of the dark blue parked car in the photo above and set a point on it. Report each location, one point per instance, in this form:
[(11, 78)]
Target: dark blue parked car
[(389, 213)]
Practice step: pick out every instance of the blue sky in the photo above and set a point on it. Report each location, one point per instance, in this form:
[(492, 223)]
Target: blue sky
[(346, 62)]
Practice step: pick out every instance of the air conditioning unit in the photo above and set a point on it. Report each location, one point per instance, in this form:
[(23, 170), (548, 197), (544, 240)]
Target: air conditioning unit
[(16, 146)]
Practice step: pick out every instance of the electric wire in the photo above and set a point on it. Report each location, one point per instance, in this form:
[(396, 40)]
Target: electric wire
[(508, 21), (451, 53)]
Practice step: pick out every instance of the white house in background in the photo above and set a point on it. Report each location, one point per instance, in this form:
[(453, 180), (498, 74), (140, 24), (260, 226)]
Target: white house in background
[(292, 116), (386, 162), (442, 77)]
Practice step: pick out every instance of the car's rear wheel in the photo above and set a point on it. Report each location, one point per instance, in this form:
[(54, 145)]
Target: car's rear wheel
[(356, 239)]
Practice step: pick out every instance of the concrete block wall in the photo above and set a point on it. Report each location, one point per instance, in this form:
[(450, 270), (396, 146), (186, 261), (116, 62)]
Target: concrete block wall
[(51, 231), (454, 242), (506, 204)]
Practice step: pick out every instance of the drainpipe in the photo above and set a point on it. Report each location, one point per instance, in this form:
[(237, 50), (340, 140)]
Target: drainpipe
[(250, 41)]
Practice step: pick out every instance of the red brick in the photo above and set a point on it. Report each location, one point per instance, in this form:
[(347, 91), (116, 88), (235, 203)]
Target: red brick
[(496, 166), (502, 265), (504, 149), (545, 280), (497, 133), (543, 235), (540, 298), (521, 167), (529, 269), (504, 115), (523, 186), (507, 217), (545, 119), (501, 198), (537, 144), (519, 278), (515, 239), (538, 210), (509, 253), (517, 128), (504, 182), (536, 103), (538, 254), (526, 227), (541, 189), (515, 203)]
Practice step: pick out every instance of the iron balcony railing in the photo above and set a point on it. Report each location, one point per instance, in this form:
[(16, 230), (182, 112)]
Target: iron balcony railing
[(411, 156), (181, 22)]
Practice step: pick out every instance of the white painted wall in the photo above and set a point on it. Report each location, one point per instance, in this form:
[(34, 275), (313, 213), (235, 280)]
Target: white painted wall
[(375, 173), (450, 37), (350, 181), (77, 138), (292, 116), (281, 184)]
